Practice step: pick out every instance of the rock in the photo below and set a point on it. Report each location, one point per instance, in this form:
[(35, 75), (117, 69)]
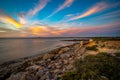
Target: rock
[(58, 65), (40, 73), (63, 70), (66, 55), (49, 66), (41, 61), (51, 62), (48, 60), (30, 77), (69, 67), (65, 61), (43, 77), (38, 63), (56, 56), (48, 56), (77, 46), (18, 76), (33, 69), (49, 76), (70, 59), (56, 70), (63, 50), (81, 43)]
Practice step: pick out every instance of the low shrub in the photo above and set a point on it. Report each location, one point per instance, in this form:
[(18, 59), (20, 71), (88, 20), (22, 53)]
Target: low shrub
[(117, 54), (95, 67), (93, 48)]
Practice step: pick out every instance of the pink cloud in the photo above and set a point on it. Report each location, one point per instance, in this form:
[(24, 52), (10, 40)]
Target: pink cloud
[(37, 8), (96, 8)]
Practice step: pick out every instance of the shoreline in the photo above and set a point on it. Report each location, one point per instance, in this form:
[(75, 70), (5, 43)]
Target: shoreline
[(39, 54), (31, 57), (27, 60)]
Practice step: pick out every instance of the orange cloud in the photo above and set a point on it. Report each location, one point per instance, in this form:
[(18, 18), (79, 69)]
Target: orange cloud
[(39, 30), (6, 18), (97, 8), (46, 31)]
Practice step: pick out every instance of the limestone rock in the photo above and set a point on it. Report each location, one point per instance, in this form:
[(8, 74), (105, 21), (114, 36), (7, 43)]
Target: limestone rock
[(48, 56), (66, 55), (63, 50)]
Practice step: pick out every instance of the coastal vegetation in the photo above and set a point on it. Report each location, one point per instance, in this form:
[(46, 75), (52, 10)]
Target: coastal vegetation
[(117, 54), (95, 67), (106, 38), (94, 48)]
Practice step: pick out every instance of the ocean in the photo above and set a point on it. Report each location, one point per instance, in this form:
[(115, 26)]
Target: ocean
[(11, 49)]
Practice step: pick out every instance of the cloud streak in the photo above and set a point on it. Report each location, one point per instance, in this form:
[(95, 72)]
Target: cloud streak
[(109, 15), (96, 8), (66, 4), (37, 8), (24, 17), (5, 18)]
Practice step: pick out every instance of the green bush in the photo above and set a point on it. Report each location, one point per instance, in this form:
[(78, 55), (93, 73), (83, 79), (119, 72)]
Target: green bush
[(93, 48), (70, 76), (95, 67), (117, 54)]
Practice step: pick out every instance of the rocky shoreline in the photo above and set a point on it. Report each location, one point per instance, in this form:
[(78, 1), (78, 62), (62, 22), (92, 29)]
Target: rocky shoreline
[(48, 66)]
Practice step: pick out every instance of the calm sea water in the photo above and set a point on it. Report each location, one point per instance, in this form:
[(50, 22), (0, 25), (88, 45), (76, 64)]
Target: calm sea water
[(11, 49)]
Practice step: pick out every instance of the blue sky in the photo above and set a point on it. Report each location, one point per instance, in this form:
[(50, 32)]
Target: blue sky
[(51, 18)]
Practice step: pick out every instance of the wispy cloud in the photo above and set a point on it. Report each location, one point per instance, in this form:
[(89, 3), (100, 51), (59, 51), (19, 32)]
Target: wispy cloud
[(96, 8), (99, 7), (38, 7), (66, 4), (24, 18), (109, 15)]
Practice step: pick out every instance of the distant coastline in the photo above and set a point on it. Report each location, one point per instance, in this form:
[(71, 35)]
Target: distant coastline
[(112, 37)]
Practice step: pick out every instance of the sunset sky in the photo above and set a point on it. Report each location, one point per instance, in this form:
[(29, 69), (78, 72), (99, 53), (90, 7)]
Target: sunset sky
[(59, 18)]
